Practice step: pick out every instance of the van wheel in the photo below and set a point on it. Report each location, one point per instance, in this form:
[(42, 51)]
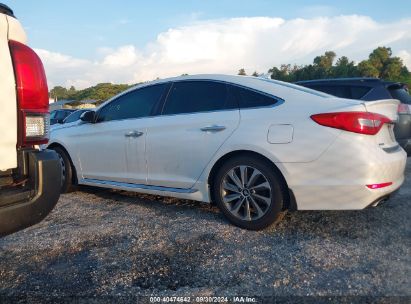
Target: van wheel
[(66, 171), (249, 192)]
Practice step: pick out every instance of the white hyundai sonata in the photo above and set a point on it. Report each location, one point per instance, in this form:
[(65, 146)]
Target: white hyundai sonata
[(253, 146)]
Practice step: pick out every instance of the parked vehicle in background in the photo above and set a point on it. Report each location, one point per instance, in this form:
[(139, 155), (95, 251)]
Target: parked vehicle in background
[(253, 146), (372, 89), (72, 119), (29, 178), (58, 116)]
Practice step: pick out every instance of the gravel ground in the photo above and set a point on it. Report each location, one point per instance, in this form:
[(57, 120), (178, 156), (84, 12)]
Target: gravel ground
[(100, 242)]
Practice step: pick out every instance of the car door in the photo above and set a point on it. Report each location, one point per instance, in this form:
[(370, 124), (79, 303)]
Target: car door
[(113, 148), (197, 118)]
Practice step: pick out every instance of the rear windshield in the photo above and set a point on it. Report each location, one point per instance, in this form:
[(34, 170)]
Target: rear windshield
[(296, 87), (343, 91), (401, 94)]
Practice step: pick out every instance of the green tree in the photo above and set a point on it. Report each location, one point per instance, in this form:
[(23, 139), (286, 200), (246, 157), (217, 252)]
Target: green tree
[(379, 57), (367, 69), (58, 93), (344, 68), (405, 76), (71, 92), (392, 68), (255, 74), (286, 72), (242, 72), (276, 73), (381, 64), (101, 91), (325, 61)]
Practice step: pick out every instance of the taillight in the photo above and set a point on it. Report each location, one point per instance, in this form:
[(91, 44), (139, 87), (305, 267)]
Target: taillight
[(32, 95), (357, 122), (403, 109)]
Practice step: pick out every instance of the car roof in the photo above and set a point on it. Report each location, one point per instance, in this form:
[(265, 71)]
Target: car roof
[(275, 88)]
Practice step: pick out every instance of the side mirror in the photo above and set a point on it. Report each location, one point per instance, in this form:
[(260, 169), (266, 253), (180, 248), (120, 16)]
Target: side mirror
[(88, 116)]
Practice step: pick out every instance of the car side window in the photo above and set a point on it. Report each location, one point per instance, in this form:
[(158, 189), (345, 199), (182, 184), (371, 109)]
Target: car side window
[(135, 104), (73, 117), (251, 99), (60, 114), (198, 96)]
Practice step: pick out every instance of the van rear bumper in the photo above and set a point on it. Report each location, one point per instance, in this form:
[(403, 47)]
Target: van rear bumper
[(23, 207)]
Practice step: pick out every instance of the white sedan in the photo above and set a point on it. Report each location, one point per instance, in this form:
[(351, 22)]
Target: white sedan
[(253, 146)]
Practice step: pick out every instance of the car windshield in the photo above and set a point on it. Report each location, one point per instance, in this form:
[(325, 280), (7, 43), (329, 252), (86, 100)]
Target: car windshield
[(401, 94)]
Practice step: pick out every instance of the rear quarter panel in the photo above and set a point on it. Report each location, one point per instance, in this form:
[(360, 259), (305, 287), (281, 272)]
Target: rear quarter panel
[(309, 140)]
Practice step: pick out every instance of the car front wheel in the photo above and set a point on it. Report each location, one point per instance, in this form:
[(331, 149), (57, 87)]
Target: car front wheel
[(249, 192)]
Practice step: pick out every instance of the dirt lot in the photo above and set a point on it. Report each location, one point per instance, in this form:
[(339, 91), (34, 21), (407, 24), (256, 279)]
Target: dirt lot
[(99, 242)]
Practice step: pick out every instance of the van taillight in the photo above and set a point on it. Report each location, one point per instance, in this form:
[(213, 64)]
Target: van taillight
[(32, 95)]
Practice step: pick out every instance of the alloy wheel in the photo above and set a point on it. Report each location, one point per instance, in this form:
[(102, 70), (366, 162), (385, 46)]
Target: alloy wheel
[(246, 193)]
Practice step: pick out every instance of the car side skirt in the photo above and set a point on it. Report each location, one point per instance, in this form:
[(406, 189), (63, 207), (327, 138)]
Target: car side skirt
[(192, 194)]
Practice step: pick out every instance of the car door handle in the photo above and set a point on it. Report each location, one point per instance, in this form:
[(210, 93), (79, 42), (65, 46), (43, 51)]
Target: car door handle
[(213, 128), (133, 134)]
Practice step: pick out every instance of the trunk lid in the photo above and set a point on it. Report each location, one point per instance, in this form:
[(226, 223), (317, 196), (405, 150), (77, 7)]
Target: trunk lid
[(386, 107)]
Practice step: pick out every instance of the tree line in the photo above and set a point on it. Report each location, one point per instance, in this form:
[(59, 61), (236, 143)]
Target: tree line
[(100, 92), (380, 64)]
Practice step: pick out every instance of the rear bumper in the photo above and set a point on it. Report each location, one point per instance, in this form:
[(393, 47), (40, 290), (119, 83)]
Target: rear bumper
[(23, 208), (341, 197), (338, 179)]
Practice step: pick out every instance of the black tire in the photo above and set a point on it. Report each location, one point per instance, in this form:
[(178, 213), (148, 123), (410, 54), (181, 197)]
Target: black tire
[(267, 215), (67, 170)]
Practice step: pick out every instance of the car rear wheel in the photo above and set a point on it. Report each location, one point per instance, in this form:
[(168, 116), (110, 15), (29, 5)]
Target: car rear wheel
[(66, 171), (249, 192)]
